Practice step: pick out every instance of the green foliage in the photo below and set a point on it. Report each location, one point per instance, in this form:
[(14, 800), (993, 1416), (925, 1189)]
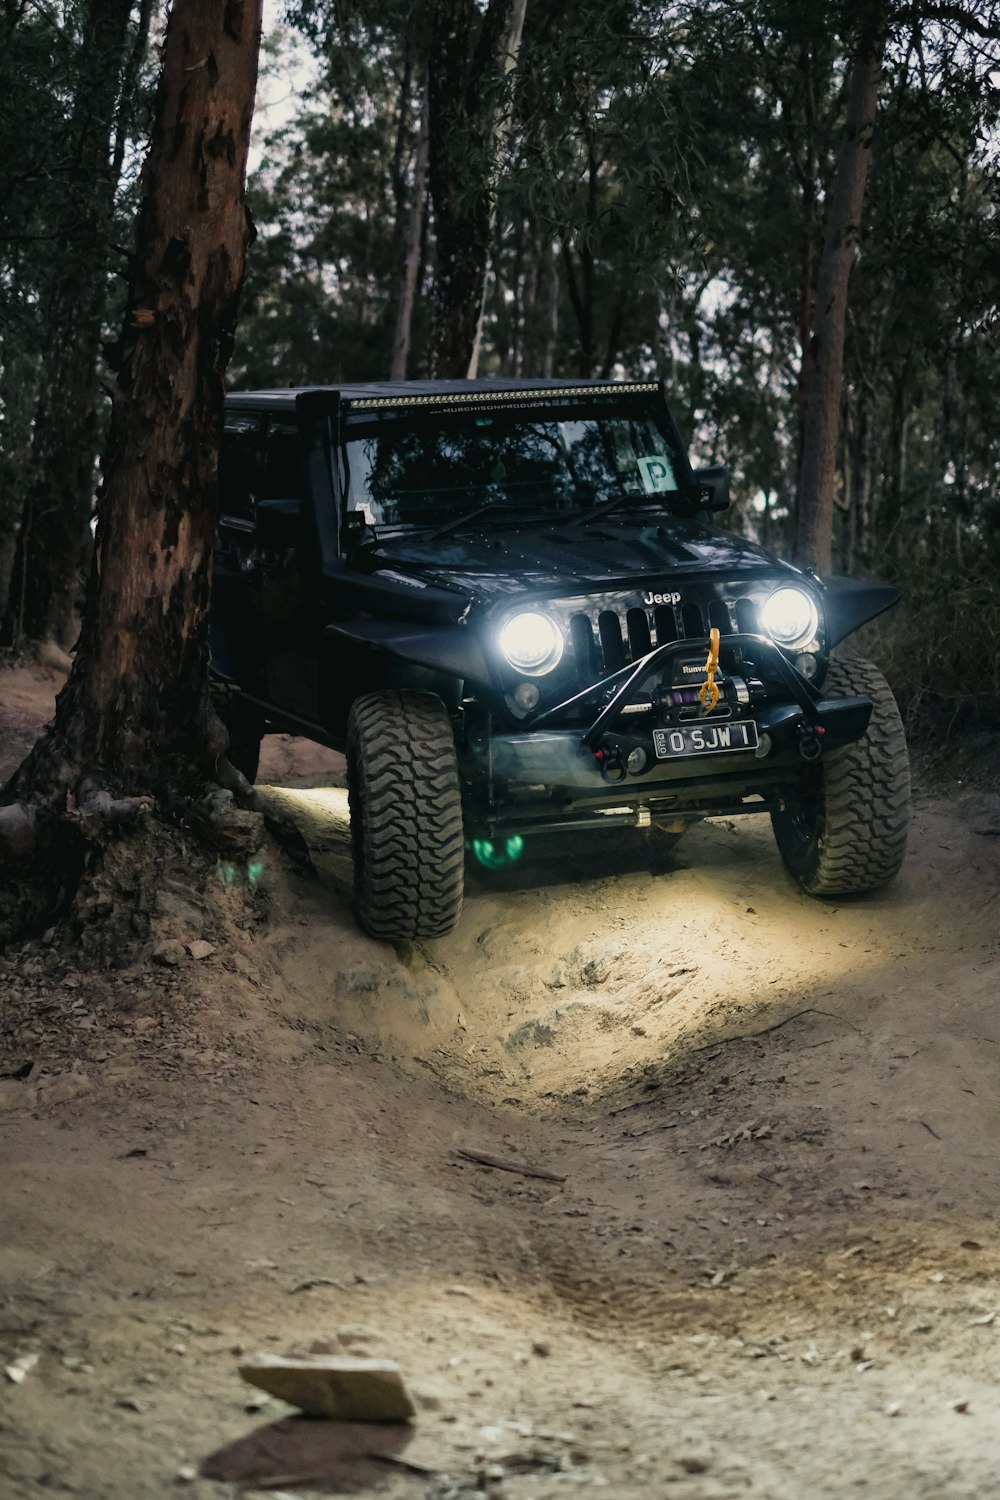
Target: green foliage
[(319, 298)]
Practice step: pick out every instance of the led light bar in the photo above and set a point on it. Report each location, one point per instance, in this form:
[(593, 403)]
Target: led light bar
[(496, 398)]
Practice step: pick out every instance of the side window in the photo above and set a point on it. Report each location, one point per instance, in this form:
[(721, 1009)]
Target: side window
[(281, 473), (239, 470)]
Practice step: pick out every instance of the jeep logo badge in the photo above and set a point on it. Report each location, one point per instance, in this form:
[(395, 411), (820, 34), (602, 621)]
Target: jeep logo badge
[(661, 598)]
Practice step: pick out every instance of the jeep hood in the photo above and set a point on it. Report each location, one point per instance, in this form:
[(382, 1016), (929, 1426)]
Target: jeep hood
[(564, 559)]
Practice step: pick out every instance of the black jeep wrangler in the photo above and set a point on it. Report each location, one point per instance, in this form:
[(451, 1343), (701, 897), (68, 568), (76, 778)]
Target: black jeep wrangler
[(508, 603)]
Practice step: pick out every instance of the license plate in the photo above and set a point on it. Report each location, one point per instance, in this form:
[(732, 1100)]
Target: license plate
[(704, 739)]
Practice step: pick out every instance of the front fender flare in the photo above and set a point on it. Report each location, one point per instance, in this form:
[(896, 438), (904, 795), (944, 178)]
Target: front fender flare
[(451, 649), (852, 602)]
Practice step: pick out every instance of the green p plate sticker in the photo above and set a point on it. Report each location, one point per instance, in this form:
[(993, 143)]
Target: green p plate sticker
[(656, 475)]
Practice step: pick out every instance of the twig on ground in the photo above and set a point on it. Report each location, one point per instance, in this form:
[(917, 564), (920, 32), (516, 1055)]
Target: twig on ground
[(746, 1036), (483, 1160), (408, 1464)]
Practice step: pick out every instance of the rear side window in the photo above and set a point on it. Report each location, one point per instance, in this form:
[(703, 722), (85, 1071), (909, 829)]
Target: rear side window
[(239, 469), (281, 472), (260, 460)]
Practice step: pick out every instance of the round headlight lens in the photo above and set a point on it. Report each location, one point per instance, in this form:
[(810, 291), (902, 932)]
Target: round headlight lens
[(532, 643), (790, 617)]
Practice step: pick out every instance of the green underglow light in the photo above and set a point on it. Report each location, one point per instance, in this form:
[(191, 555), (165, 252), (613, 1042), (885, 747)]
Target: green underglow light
[(227, 874), (494, 856), (254, 871)]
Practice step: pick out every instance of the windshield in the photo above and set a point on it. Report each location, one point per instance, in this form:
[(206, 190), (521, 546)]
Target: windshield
[(432, 469)]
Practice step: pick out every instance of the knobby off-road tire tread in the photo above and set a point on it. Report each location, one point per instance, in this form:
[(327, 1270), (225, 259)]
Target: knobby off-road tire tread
[(864, 797), (406, 815)]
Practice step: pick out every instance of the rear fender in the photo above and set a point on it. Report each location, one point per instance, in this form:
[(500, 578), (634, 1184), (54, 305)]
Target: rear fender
[(851, 603)]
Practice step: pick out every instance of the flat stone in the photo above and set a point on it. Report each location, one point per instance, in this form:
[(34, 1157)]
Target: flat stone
[(338, 1386), (200, 948), (170, 952)]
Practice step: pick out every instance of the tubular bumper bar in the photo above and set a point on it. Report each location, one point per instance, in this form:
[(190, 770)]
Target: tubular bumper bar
[(851, 714)]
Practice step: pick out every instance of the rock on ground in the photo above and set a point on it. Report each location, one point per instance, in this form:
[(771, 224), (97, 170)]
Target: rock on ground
[(349, 1390)]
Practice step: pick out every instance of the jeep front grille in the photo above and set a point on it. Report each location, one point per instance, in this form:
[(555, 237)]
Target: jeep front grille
[(605, 640)]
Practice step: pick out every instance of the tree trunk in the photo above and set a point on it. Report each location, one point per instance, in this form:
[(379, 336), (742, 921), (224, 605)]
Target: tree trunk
[(499, 134), (858, 487), (894, 464), (411, 267), (472, 55), (130, 86), (133, 721), (814, 539), (807, 170), (550, 325), (57, 505)]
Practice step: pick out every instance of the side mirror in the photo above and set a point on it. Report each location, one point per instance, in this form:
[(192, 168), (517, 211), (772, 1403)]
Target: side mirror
[(713, 488), (279, 524)]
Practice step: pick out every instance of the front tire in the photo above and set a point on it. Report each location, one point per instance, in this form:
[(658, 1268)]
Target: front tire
[(846, 834), (406, 816)]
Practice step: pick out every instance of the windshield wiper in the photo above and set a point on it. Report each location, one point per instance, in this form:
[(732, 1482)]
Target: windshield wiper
[(489, 507), (585, 517)]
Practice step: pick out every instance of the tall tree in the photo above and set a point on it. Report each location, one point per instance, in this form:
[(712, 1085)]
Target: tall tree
[(133, 725), (412, 254), (473, 54), (60, 470), (39, 62), (333, 200), (821, 434)]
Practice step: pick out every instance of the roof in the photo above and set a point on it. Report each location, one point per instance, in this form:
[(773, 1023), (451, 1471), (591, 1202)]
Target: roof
[(404, 393)]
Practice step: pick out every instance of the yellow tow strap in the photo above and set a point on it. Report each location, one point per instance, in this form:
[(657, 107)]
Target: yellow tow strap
[(709, 693)]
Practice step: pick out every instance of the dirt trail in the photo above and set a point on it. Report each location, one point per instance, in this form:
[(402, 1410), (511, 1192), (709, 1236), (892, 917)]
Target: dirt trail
[(771, 1269)]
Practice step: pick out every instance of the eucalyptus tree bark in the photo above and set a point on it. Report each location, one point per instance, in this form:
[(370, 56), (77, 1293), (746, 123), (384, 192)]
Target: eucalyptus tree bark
[(473, 54), (60, 470), (817, 477), (133, 726)]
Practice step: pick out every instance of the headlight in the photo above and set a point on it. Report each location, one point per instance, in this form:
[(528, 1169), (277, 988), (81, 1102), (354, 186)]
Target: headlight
[(790, 618), (532, 643)]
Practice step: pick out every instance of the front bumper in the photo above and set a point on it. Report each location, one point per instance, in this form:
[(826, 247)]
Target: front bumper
[(558, 770)]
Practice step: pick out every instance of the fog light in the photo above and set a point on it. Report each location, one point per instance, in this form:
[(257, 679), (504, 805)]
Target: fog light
[(527, 695), (807, 665), (636, 760), (763, 746)]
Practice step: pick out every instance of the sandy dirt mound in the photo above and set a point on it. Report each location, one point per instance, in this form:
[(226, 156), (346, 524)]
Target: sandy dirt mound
[(743, 1243)]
